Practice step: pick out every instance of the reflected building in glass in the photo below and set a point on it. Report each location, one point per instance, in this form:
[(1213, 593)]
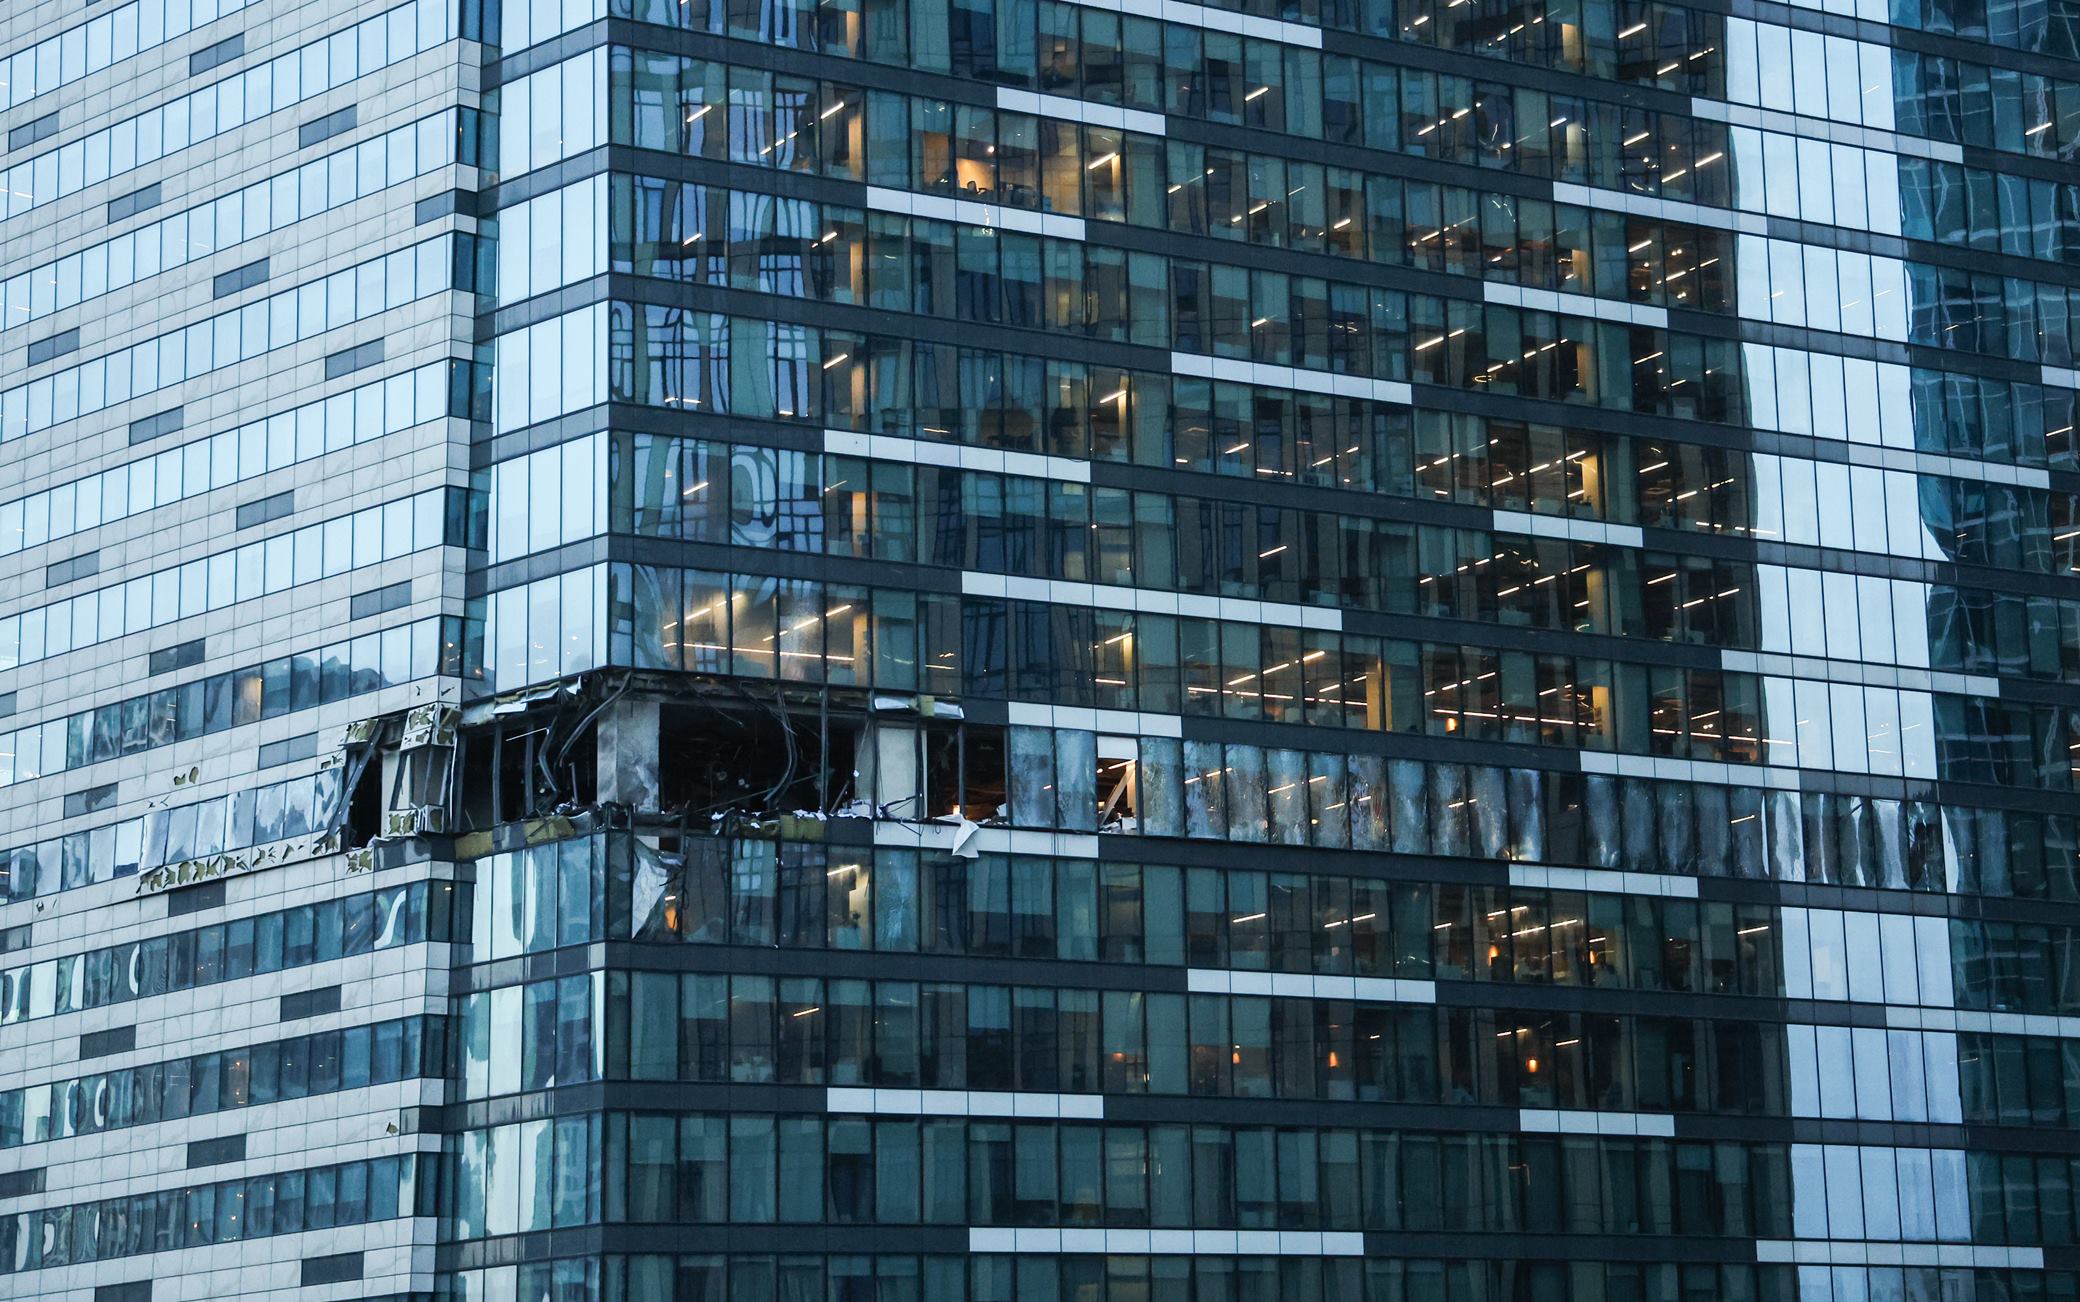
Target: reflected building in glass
[(1040, 651)]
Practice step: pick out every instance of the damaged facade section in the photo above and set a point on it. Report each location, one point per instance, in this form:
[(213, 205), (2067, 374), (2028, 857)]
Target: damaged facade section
[(707, 756)]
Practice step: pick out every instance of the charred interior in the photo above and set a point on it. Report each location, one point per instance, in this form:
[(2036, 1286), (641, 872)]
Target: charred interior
[(705, 755)]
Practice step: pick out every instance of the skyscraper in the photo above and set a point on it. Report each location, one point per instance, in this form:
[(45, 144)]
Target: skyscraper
[(1040, 651)]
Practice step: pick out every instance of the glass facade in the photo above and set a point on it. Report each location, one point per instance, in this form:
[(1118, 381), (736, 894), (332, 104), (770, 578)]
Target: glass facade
[(1041, 650), (1343, 650)]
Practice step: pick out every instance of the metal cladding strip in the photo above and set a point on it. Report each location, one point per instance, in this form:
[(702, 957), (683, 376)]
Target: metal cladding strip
[(965, 1103), (1212, 19), (1169, 1243), (1609, 881), (1842, 133), (2055, 1026), (1858, 1252), (1906, 678), (973, 212), (1569, 527), (1115, 597), (1642, 205), (931, 452), (1779, 778), (1299, 985), (1551, 1121), (1290, 377), (1547, 300), (1076, 110), (948, 834)]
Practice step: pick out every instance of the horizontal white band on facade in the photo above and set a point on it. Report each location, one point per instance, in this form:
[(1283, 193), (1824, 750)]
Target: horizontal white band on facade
[(1290, 377), (1577, 530), (1858, 1252), (1213, 20), (1642, 205), (412, 980), (932, 452), (1936, 463), (1128, 723), (1904, 677), (1840, 133), (1301, 985), (1609, 881), (1076, 110), (1551, 1121), (965, 1103), (1279, 614), (1771, 777), (2062, 375), (229, 1018), (278, 1135), (1547, 300), (1170, 1243), (263, 1266), (974, 212), (896, 447), (943, 836), (937, 452), (328, 1138), (1902, 1017)]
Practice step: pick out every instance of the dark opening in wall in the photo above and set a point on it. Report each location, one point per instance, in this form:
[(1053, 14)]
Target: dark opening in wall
[(239, 279), (30, 132), (116, 1039), (381, 600), (325, 128), (57, 345), (748, 755), (184, 656), (90, 800), (714, 749), (194, 899), (216, 56), (338, 1268), (980, 760), (84, 566), (299, 1004), (151, 427), (364, 811), (133, 203), (517, 787), (216, 1152)]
